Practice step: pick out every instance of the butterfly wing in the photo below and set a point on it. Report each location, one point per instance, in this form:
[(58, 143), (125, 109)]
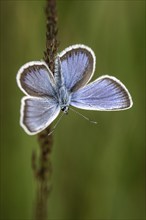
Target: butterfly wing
[(36, 79), (40, 107), (105, 94), (77, 65), (37, 113)]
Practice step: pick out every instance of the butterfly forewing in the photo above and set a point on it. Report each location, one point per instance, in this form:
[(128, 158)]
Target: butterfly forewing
[(77, 65), (106, 94), (35, 79)]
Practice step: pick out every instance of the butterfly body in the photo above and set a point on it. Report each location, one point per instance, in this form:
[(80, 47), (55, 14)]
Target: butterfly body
[(64, 99), (61, 95), (47, 93)]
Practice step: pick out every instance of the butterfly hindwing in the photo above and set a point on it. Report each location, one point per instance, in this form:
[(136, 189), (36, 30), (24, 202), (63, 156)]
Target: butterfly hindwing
[(37, 113), (106, 94)]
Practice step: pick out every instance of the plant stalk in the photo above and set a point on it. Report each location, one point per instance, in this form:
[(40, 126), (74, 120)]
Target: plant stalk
[(43, 168)]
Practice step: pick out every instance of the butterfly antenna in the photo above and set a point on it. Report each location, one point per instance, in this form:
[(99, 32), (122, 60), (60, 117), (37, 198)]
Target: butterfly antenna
[(94, 122), (52, 130)]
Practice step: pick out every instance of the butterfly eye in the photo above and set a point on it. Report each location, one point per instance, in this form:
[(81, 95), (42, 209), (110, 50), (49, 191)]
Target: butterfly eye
[(63, 109)]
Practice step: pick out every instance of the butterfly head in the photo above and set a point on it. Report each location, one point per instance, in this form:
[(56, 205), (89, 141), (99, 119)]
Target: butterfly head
[(65, 109)]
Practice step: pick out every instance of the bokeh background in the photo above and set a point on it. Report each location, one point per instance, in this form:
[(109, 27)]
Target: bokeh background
[(98, 170)]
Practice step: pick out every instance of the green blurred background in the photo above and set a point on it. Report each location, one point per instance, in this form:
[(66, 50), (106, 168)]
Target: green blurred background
[(98, 170)]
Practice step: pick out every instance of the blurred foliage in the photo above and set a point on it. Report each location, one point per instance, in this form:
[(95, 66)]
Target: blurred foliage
[(98, 170)]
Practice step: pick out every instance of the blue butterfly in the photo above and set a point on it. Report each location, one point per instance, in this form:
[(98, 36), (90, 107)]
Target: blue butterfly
[(48, 93)]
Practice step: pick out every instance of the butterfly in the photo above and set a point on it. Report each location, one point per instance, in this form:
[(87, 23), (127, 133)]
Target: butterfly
[(48, 93)]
